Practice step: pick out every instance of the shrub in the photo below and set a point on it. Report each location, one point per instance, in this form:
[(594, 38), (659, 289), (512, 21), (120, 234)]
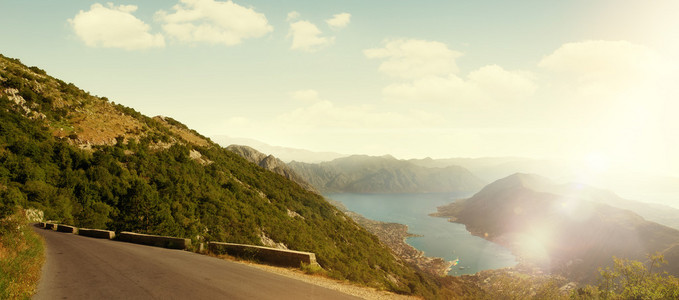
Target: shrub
[(22, 257)]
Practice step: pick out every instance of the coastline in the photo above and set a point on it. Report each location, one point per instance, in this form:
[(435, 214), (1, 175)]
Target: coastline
[(394, 235), (523, 266)]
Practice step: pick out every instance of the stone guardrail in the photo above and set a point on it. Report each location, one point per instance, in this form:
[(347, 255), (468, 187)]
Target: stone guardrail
[(97, 233), (67, 229), (155, 240), (278, 257), (273, 256)]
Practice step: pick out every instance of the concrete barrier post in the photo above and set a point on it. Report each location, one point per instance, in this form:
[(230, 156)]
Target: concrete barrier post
[(67, 229), (97, 233), (278, 257), (155, 240)]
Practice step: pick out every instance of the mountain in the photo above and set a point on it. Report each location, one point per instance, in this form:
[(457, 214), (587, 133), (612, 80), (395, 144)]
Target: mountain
[(271, 163), (283, 153), (645, 186), (659, 213), (560, 229), (384, 174), (88, 162), (493, 168)]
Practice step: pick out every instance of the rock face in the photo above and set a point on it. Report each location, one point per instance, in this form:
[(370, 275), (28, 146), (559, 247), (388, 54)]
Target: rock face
[(384, 174), (560, 230), (271, 163)]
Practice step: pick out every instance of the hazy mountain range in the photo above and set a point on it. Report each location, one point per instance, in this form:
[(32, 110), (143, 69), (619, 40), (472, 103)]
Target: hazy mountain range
[(637, 185), (384, 174), (565, 229), (270, 163)]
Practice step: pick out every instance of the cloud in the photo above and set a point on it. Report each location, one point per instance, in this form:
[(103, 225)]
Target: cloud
[(213, 22), (610, 63), (430, 88), (339, 21), (428, 72), (292, 16), (489, 83), (114, 27), (305, 95), (499, 83), (414, 58), (307, 37)]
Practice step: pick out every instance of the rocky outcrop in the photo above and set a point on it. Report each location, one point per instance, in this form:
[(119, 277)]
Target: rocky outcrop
[(271, 163)]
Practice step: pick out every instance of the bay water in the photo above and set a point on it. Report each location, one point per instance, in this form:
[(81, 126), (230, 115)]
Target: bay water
[(436, 236)]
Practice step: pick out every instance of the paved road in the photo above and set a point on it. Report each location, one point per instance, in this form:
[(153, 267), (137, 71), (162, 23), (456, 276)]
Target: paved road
[(79, 267)]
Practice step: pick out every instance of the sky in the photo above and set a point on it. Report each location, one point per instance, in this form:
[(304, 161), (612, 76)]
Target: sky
[(588, 80)]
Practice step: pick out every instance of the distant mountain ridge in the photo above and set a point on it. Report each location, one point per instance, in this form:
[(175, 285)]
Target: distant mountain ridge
[(285, 154), (645, 186), (270, 163), (384, 174), (560, 229)]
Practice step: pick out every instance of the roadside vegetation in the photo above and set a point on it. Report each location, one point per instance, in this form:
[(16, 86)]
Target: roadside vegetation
[(626, 279), (152, 180), (629, 279), (21, 255)]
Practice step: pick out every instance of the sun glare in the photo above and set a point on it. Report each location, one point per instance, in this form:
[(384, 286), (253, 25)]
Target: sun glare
[(597, 162), (533, 247)]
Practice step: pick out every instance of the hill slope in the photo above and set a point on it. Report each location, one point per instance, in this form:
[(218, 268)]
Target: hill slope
[(384, 174), (91, 163), (564, 233)]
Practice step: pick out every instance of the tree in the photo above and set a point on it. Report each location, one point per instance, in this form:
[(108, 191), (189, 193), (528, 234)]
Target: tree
[(630, 279)]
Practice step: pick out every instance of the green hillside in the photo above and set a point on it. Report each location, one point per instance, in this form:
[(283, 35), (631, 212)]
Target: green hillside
[(89, 162)]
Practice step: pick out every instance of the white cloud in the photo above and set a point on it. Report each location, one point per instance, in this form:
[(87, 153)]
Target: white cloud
[(292, 16), (305, 95), (213, 22), (339, 21), (501, 84), (114, 27), (431, 88), (307, 37), (415, 58), (602, 62), (489, 83), (428, 72)]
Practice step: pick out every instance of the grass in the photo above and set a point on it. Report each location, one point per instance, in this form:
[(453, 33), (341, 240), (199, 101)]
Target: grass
[(312, 269), (21, 257)]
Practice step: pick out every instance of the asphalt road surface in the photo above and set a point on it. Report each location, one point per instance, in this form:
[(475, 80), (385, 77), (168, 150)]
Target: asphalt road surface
[(79, 267)]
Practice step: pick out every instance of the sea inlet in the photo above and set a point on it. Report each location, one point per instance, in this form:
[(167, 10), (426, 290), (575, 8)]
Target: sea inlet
[(436, 237)]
